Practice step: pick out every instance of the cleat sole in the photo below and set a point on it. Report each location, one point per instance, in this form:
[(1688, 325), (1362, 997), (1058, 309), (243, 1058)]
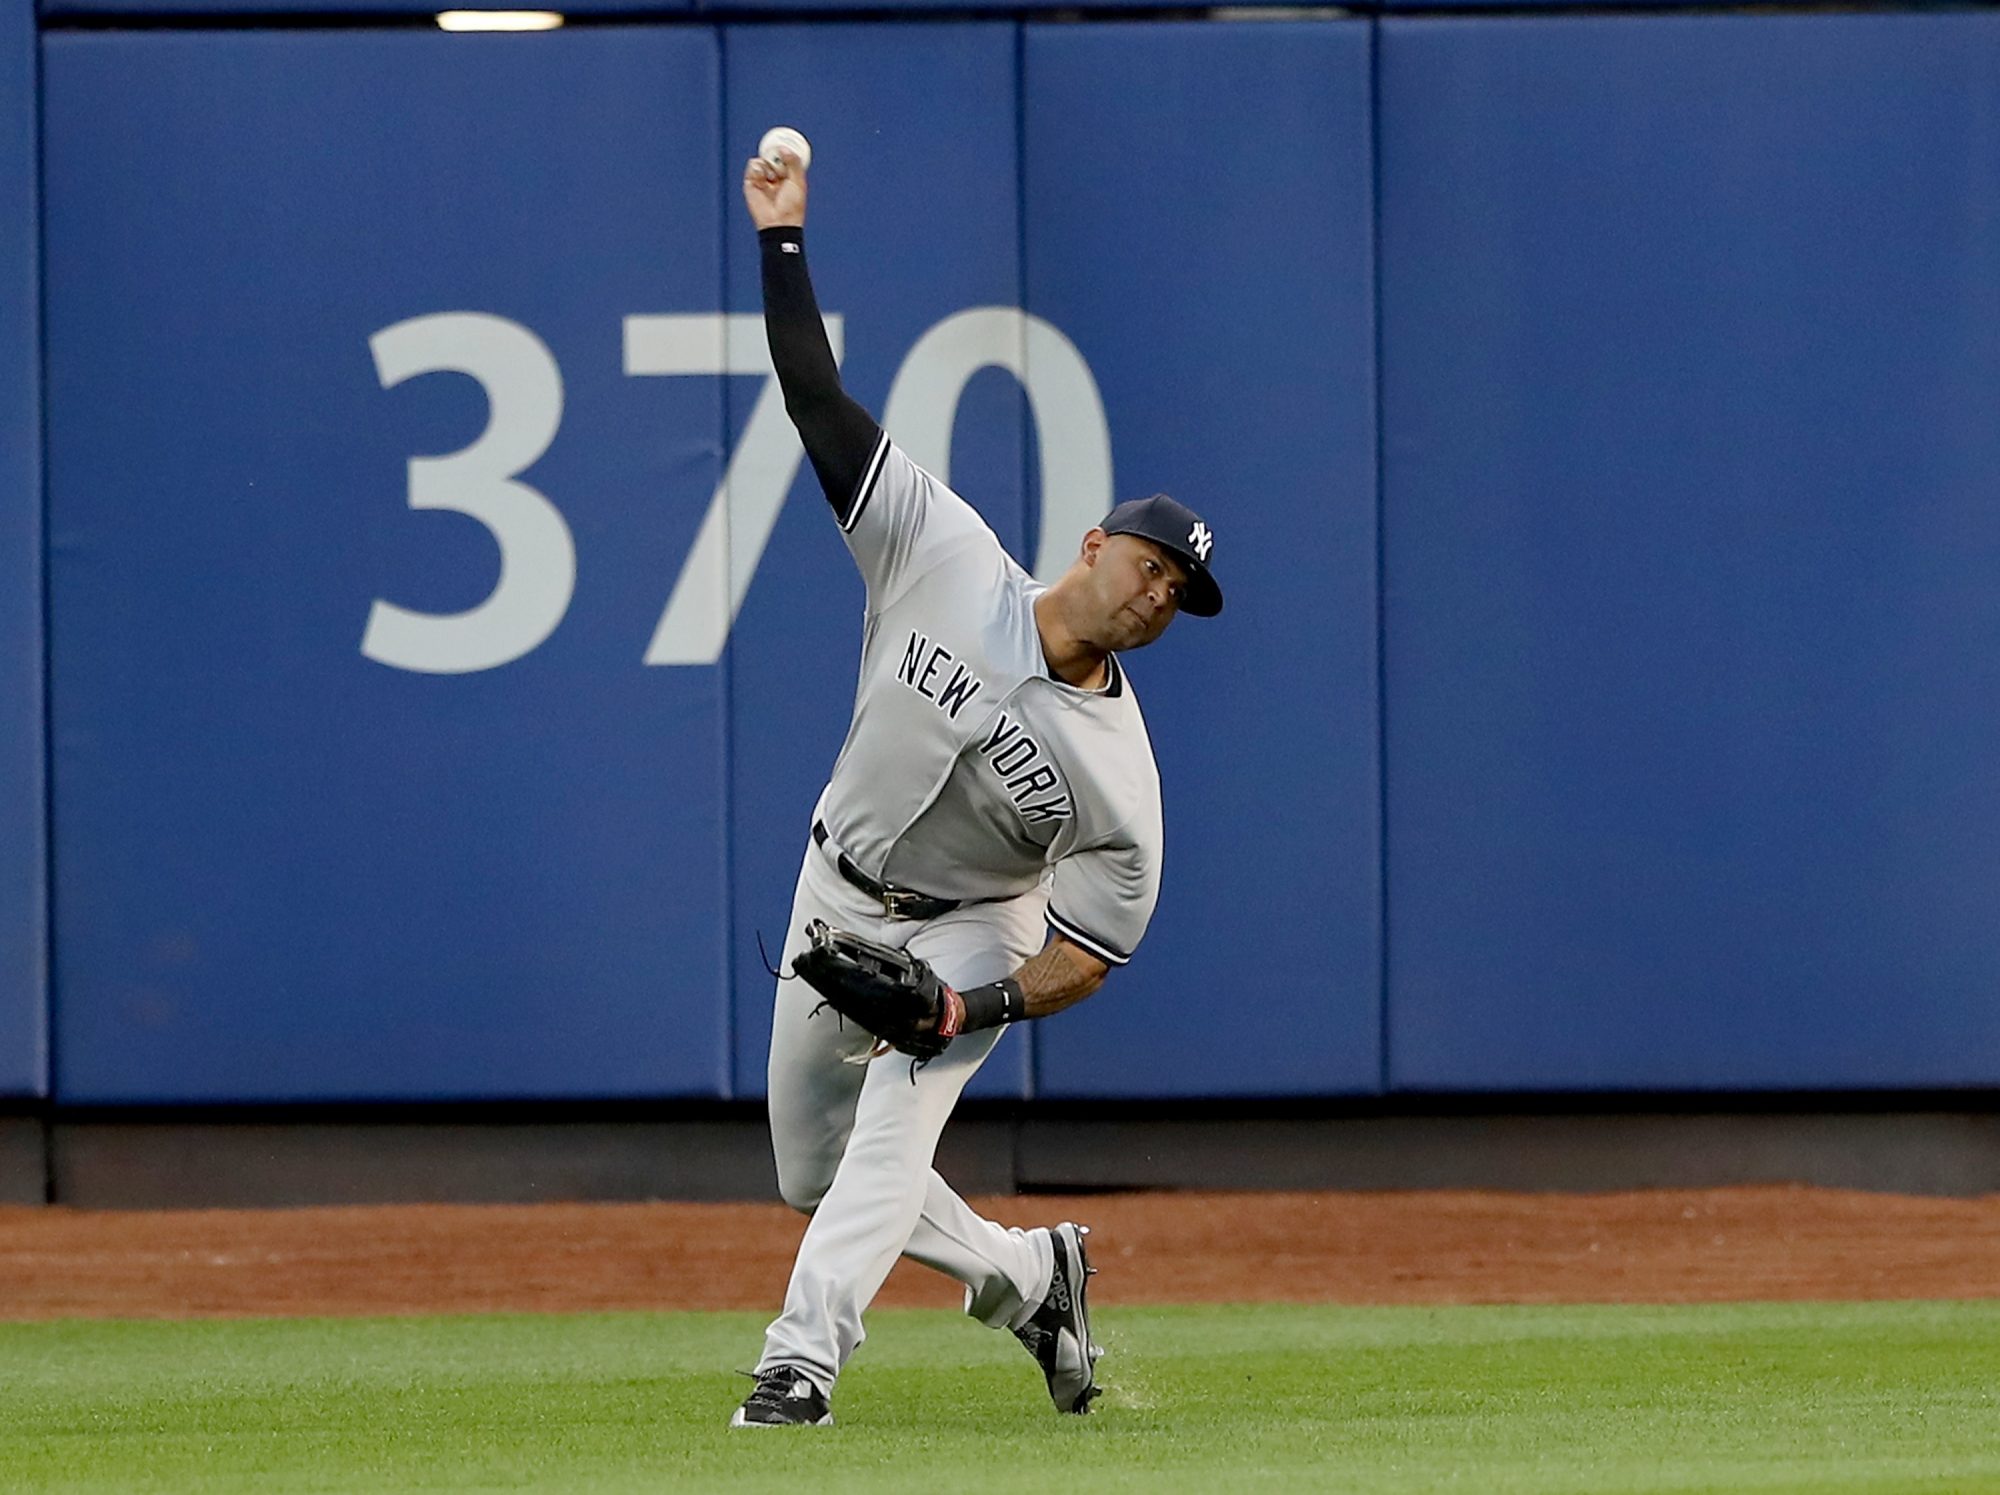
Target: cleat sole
[(738, 1420)]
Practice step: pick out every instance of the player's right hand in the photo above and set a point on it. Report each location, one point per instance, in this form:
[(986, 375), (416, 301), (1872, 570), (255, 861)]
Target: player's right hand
[(776, 195)]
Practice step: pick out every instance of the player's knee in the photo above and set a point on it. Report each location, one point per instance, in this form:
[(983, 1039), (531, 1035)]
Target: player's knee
[(803, 1188)]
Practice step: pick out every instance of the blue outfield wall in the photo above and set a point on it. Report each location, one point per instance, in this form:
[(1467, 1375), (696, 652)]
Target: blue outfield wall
[(448, 643), (289, 868), (292, 869), (1691, 383), (23, 873)]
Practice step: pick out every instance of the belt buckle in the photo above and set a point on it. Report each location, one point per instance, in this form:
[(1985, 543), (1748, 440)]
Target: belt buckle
[(896, 900)]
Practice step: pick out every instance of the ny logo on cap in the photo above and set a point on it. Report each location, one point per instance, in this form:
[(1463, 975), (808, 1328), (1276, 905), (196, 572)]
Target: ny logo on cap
[(1202, 541)]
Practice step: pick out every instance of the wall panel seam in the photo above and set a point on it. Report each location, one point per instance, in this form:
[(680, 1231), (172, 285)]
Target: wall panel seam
[(1379, 401), (45, 649)]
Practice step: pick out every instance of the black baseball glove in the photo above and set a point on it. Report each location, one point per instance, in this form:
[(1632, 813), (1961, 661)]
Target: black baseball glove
[(893, 994)]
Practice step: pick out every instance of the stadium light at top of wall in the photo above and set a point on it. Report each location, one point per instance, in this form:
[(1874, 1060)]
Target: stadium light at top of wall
[(499, 20)]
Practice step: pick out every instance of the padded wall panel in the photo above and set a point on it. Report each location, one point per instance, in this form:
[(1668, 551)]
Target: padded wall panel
[(290, 871), (1691, 334), (913, 220), (1229, 324), (23, 873)]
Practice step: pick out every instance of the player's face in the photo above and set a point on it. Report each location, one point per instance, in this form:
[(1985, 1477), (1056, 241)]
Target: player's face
[(1138, 589)]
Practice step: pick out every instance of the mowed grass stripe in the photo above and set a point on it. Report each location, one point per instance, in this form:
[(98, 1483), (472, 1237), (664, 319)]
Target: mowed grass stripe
[(1792, 1397)]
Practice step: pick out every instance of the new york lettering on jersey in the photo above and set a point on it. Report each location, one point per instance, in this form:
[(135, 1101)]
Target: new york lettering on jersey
[(923, 661), (1026, 771), (1012, 752)]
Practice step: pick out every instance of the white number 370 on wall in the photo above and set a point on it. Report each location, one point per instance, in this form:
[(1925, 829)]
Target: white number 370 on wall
[(524, 394)]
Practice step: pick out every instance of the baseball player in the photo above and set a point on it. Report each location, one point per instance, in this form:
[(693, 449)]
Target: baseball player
[(993, 818)]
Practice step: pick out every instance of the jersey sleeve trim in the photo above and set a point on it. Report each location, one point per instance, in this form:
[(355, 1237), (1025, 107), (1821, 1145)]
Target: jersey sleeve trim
[(866, 486), (1107, 953)]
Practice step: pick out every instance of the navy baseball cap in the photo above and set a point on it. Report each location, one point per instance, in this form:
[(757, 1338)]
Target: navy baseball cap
[(1175, 527)]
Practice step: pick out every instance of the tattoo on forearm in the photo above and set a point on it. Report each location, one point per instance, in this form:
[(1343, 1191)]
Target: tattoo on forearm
[(1060, 976)]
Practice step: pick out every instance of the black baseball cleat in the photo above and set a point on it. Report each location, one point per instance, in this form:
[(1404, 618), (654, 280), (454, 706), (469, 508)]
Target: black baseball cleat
[(1058, 1335), (783, 1399)]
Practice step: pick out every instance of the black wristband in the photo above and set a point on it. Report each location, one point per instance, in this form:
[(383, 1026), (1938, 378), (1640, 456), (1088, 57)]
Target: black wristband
[(993, 1004)]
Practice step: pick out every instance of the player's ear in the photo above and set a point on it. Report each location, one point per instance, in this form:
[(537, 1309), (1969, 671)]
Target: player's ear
[(1093, 541)]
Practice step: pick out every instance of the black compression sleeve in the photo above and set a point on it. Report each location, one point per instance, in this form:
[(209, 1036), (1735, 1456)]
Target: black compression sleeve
[(838, 434)]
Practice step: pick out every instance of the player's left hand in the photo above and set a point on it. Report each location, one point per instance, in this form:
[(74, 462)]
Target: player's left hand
[(776, 195), (890, 992)]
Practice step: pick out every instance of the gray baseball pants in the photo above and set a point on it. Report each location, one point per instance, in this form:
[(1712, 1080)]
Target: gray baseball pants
[(854, 1138)]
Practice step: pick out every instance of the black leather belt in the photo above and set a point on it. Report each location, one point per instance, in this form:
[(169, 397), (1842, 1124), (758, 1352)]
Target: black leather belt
[(897, 903)]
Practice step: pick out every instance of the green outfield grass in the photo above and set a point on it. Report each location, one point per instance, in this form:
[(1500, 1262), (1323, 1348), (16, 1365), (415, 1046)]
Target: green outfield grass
[(1833, 1397)]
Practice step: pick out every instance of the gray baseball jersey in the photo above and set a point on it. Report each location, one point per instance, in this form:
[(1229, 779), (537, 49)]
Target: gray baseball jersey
[(970, 771)]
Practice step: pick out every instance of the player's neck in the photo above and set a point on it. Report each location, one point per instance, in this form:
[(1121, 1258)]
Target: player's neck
[(1071, 659)]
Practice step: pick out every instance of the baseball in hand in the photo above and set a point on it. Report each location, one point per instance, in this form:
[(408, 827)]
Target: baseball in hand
[(785, 138)]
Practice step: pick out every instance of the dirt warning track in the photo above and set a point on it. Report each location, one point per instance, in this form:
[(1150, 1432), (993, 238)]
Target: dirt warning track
[(1669, 1246)]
